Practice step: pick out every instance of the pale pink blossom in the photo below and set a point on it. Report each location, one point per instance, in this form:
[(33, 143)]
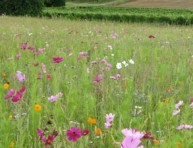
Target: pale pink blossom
[(184, 126), (20, 76), (175, 112), (177, 105), (43, 67), (55, 98)]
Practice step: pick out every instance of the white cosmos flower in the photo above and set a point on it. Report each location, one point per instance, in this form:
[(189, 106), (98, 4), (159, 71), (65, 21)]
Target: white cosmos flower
[(119, 66), (131, 61)]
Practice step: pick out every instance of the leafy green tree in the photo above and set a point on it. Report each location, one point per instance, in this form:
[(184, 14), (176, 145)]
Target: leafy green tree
[(21, 7), (54, 3)]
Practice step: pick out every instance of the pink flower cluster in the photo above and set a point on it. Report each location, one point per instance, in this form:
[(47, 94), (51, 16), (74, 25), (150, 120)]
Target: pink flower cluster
[(47, 141), (115, 77), (74, 133), (109, 120), (15, 95), (98, 78), (82, 54), (108, 65), (132, 138), (55, 98)]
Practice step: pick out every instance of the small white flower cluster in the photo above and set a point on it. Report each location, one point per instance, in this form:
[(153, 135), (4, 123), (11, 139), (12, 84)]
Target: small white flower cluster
[(119, 64)]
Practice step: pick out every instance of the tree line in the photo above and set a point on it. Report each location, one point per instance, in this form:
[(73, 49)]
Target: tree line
[(27, 7)]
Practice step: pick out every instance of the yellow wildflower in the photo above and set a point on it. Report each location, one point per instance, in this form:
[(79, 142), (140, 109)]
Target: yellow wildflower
[(12, 144), (6, 85)]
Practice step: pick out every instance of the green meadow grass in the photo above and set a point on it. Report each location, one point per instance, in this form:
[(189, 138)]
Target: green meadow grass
[(163, 69)]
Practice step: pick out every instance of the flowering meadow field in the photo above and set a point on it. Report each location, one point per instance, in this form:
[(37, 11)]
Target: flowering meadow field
[(80, 84)]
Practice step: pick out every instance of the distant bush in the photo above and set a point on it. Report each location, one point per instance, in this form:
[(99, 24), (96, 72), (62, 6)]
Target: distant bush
[(21, 7), (54, 3)]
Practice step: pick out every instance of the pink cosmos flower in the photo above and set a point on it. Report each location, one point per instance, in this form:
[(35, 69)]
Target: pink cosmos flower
[(108, 67), (43, 68), (49, 76), (41, 50), (55, 98), (23, 46), (17, 97), (110, 117), (114, 35), (103, 61), (184, 126), (175, 112), (41, 135), (10, 94), (191, 100), (70, 54), (132, 138), (49, 140), (31, 48), (74, 134), (84, 54), (23, 88), (97, 78), (178, 104), (57, 59), (108, 125), (20, 76), (18, 55)]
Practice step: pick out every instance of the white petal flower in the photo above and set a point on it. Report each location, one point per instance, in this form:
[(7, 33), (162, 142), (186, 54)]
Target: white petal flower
[(119, 66)]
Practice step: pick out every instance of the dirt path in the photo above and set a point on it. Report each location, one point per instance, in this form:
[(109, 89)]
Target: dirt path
[(159, 3)]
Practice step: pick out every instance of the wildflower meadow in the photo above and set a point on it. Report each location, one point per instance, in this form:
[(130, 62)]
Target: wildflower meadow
[(88, 84)]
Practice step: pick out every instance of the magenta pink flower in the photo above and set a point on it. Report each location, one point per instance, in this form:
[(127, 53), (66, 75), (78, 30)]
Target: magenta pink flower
[(31, 47), (17, 97), (114, 35), (49, 140), (74, 134), (41, 135), (10, 94), (57, 59), (23, 88), (98, 78), (184, 126), (191, 100), (23, 46), (49, 76), (20, 76), (108, 125)]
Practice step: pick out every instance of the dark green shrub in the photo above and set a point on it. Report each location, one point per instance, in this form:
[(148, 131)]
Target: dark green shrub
[(54, 3), (180, 20), (21, 7)]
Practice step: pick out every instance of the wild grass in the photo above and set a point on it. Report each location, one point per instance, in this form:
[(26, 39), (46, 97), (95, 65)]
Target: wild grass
[(160, 77)]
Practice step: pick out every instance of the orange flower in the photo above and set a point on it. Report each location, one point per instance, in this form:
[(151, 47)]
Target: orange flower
[(91, 120), (98, 131), (156, 142), (168, 89), (38, 108)]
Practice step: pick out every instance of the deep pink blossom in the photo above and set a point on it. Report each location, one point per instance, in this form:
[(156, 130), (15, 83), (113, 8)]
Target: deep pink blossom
[(17, 97), (85, 132), (49, 76), (57, 59), (98, 78), (74, 134), (23, 46)]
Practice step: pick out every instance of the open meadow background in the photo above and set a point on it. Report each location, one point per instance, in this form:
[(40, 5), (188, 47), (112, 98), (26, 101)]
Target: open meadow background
[(95, 84)]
